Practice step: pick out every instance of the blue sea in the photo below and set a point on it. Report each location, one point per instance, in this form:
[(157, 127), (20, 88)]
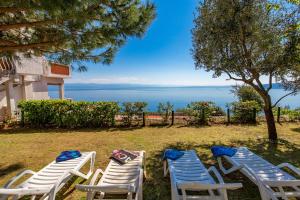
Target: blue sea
[(178, 96)]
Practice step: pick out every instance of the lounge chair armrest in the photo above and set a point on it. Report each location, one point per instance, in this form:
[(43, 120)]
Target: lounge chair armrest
[(216, 172), (24, 191), (199, 186), (289, 166), (165, 166), (17, 177), (95, 176), (230, 170), (80, 174), (288, 183), (108, 189)]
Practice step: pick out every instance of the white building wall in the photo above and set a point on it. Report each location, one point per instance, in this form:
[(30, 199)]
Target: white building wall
[(40, 90), (2, 105), (32, 66)]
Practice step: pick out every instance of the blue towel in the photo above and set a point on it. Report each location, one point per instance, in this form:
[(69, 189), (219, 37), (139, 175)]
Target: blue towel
[(68, 155), (172, 154), (223, 151)]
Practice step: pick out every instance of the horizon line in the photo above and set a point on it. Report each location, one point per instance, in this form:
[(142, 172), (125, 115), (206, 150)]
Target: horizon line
[(155, 85)]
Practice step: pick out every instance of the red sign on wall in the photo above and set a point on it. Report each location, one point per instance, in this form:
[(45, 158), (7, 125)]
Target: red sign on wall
[(60, 69)]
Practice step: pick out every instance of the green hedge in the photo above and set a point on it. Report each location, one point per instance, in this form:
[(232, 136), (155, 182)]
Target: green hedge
[(68, 114), (243, 111)]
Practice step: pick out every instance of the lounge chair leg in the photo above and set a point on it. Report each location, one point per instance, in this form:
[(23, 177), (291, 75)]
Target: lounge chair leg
[(263, 194), (129, 196), (33, 197), (224, 194), (52, 194), (165, 168), (145, 165), (101, 195), (90, 195)]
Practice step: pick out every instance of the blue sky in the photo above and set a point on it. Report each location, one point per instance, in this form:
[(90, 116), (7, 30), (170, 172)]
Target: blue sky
[(162, 56)]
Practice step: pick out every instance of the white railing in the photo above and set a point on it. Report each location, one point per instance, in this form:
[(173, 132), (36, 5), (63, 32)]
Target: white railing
[(7, 66)]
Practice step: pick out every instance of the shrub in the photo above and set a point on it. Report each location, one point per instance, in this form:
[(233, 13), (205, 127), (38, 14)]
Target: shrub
[(165, 110), (243, 111), (290, 114), (131, 110), (69, 114), (202, 111), (247, 93)]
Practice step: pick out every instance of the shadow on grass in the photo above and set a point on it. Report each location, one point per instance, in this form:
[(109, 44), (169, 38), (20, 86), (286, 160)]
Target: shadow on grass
[(9, 169), (296, 130), (158, 187), (26, 130), (69, 188)]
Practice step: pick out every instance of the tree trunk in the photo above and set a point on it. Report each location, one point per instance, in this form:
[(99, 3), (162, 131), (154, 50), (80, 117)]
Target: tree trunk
[(270, 123), (272, 132)]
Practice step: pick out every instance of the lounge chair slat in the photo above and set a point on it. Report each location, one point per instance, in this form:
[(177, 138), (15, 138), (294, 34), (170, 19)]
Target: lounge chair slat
[(111, 181)]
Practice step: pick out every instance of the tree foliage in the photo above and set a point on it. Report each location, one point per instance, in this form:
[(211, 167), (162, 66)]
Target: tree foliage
[(71, 31), (248, 40)]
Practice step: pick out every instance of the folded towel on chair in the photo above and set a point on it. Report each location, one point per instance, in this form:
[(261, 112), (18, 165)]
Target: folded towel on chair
[(68, 155), (223, 151), (172, 154)]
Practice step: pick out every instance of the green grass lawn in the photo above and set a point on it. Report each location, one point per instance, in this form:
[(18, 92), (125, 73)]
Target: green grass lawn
[(33, 149)]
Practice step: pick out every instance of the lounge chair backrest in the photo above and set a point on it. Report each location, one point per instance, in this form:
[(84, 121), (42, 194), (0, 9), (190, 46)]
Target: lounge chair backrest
[(188, 173), (117, 179), (264, 174), (259, 166)]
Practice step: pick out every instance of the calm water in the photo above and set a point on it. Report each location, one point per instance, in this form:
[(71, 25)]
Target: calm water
[(179, 96)]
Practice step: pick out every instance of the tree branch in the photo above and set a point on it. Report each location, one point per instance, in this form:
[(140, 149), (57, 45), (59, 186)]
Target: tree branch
[(260, 84), (6, 42), (6, 27), (233, 78), (293, 92), (270, 82), (26, 46), (11, 9)]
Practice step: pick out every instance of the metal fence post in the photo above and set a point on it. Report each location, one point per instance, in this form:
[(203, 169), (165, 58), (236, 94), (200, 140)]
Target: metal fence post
[(172, 123), (254, 115), (203, 115), (144, 119), (228, 116), (22, 118), (278, 114)]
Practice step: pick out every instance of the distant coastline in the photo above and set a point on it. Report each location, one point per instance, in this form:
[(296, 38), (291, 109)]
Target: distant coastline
[(99, 86)]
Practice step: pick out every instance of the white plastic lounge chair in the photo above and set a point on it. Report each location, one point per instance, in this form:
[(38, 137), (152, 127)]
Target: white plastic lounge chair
[(118, 180), (271, 180), (188, 174), (49, 180)]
